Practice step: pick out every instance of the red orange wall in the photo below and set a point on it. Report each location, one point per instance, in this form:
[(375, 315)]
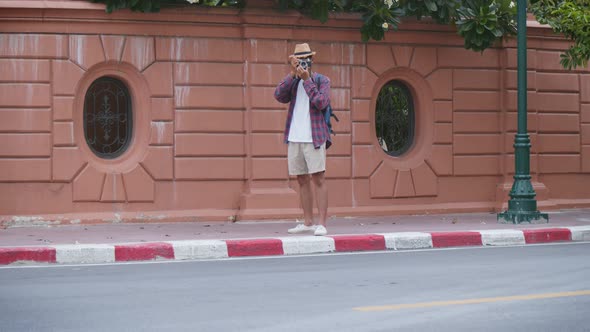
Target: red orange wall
[(208, 132)]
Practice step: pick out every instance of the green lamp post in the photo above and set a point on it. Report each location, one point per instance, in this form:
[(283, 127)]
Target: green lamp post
[(522, 206)]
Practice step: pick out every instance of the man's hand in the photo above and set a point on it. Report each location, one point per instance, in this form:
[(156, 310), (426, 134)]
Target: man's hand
[(302, 73), (294, 63)]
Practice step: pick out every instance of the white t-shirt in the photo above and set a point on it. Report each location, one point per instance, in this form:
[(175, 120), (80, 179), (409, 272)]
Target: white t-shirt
[(300, 131)]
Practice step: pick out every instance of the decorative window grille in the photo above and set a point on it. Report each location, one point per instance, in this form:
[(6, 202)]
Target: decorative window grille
[(108, 117), (394, 118)]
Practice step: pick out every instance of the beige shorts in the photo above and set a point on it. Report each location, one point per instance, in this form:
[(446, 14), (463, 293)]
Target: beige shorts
[(305, 159)]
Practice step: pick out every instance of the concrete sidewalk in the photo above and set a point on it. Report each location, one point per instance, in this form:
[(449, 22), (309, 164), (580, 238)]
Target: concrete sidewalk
[(202, 240)]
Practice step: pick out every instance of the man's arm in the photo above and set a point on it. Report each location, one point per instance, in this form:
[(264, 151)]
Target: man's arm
[(319, 98), (283, 90)]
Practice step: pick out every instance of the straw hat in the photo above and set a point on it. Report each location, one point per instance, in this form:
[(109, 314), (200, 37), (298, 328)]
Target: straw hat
[(302, 51)]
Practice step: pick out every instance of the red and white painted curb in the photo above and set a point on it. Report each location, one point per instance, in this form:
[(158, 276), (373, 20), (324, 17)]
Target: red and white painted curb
[(294, 245)]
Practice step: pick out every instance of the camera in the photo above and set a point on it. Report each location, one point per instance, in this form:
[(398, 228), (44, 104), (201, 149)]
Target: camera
[(305, 63)]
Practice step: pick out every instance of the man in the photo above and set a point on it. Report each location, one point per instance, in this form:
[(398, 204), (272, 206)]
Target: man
[(307, 134)]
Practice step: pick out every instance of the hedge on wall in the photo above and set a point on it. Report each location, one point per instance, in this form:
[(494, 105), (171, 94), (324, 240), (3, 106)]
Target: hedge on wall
[(480, 22)]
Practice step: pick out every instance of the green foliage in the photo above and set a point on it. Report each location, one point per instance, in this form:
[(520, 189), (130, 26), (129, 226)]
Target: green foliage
[(571, 18), (377, 18), (135, 5), (443, 11), (480, 22), (147, 6)]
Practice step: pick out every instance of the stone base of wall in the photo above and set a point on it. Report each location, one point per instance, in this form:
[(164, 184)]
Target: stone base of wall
[(266, 214)]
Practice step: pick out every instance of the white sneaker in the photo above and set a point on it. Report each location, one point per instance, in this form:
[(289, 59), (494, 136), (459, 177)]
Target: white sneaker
[(301, 228), (320, 230)]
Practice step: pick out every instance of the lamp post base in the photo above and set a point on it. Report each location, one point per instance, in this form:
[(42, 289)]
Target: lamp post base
[(517, 215)]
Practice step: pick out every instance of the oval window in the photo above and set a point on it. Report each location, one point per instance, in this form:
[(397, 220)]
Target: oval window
[(108, 117), (394, 118)]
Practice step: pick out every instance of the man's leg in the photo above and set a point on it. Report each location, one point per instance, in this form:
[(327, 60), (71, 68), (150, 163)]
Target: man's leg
[(306, 197), (321, 188)]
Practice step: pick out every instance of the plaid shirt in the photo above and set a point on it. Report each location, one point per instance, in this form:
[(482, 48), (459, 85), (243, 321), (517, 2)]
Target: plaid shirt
[(319, 99)]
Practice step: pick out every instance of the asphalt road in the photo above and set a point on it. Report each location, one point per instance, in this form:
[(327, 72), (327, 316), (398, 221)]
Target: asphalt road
[(530, 288)]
